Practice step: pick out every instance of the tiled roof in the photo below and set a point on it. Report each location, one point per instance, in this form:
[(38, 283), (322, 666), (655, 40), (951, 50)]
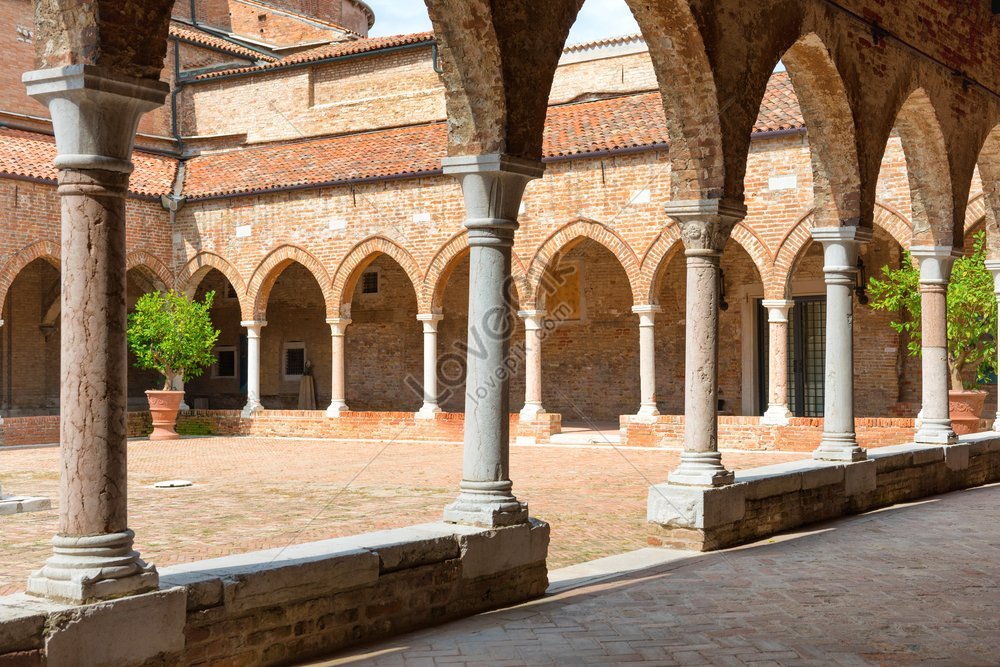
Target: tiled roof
[(607, 41), (334, 50), (32, 155), (192, 34), (779, 109)]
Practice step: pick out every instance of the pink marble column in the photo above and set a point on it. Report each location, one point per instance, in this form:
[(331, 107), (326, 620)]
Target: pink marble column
[(338, 382), (94, 115), (777, 413)]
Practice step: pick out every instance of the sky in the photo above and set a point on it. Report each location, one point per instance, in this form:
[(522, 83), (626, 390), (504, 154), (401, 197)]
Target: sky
[(598, 19)]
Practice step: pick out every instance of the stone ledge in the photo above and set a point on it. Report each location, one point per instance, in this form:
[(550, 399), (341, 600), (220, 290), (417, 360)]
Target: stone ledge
[(770, 499), (21, 504)]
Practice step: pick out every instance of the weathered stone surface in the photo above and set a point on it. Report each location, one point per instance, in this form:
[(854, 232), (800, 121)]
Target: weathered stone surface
[(695, 507)]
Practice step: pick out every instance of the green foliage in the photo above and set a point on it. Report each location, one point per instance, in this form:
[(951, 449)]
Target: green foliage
[(172, 334), (972, 312)]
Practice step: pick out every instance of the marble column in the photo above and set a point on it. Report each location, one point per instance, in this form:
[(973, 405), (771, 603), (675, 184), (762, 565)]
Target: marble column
[(253, 405), (994, 267), (534, 333), (840, 270), (430, 406), (178, 385), (95, 114), (935, 270), (492, 186), (647, 362), (777, 413), (338, 384), (705, 228)]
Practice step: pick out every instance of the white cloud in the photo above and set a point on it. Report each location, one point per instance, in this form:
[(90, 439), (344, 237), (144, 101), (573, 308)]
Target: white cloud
[(598, 19)]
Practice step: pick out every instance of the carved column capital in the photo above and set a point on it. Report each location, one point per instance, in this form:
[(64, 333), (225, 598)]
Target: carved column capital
[(935, 263), (777, 309), (840, 251), (993, 266), (338, 325), (705, 223)]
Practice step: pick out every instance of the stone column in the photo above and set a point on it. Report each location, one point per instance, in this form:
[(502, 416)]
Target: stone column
[(338, 385), (94, 115), (253, 405), (840, 269), (705, 228), (430, 406), (647, 362), (935, 270), (492, 186), (178, 385), (534, 333), (777, 413), (994, 267)]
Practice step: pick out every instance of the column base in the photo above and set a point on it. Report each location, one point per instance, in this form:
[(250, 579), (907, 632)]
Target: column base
[(489, 504), (427, 411), (776, 415), (839, 447), (93, 568), (647, 414), (252, 409), (530, 411), (936, 432), (336, 408), (701, 469)]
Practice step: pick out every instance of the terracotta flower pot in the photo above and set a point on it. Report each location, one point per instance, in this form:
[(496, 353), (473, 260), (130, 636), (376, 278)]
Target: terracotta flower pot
[(966, 409), (164, 406)]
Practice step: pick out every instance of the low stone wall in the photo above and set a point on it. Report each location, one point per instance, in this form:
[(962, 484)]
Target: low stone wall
[(44, 430), (802, 434), (771, 499), (284, 605)]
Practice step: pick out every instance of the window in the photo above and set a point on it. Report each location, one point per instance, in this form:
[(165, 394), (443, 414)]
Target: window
[(294, 361), (369, 282), (225, 362)]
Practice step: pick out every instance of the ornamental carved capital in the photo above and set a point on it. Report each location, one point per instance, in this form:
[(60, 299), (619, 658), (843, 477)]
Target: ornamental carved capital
[(705, 224)]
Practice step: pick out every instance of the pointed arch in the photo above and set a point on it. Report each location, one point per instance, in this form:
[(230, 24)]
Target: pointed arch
[(928, 172), (657, 257), (141, 259), (276, 261), (826, 110), (446, 259), (45, 249), (759, 253), (562, 241), (989, 173), (189, 277), (358, 259)]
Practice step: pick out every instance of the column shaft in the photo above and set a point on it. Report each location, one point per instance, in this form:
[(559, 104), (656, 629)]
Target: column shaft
[(338, 382), (534, 333), (935, 270), (253, 405), (777, 413), (647, 362), (430, 385)]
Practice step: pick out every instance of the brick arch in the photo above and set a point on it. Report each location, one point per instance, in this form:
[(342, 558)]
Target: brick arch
[(928, 172), (267, 272), (563, 239), (359, 258), (141, 259), (45, 249), (443, 265), (975, 214), (189, 277), (988, 163), (759, 254), (655, 260)]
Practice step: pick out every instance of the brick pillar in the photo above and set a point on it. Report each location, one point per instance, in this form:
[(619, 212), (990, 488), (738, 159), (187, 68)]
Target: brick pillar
[(492, 186), (94, 114)]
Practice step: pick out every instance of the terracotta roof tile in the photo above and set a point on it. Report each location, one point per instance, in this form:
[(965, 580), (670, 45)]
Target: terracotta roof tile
[(333, 50), (780, 108), (32, 155), (196, 36)]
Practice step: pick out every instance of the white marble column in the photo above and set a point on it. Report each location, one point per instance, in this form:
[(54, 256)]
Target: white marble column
[(253, 405), (338, 383), (777, 413), (840, 269), (430, 406), (492, 186), (705, 228), (534, 333), (94, 115), (935, 270), (647, 362), (994, 267)]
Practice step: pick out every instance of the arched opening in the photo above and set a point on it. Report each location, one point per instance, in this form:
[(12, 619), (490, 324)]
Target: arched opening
[(224, 385), (741, 361), (453, 335), (384, 358), (29, 342)]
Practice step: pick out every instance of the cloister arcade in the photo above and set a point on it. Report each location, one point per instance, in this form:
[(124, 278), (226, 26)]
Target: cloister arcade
[(651, 317)]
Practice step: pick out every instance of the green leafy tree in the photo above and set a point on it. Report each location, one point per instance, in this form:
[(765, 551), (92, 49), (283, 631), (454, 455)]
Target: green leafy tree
[(172, 334), (972, 313)]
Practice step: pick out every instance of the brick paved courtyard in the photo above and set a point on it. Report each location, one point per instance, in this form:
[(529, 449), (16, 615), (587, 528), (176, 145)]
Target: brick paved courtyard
[(907, 585), (255, 493)]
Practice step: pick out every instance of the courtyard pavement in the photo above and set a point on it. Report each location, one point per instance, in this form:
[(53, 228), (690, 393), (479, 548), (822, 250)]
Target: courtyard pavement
[(258, 493), (917, 584)]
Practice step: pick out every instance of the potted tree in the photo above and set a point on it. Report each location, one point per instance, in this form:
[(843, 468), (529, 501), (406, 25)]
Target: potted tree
[(972, 321), (173, 335)]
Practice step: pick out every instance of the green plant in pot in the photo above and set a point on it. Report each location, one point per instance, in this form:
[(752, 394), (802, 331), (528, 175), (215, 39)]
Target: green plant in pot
[(972, 323), (172, 334)]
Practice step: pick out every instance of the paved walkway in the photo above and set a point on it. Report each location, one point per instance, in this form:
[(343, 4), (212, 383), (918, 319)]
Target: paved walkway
[(907, 585), (258, 493)]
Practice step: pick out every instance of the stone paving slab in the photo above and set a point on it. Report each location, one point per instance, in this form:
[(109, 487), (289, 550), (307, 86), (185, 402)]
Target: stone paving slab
[(905, 585), (251, 494)]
